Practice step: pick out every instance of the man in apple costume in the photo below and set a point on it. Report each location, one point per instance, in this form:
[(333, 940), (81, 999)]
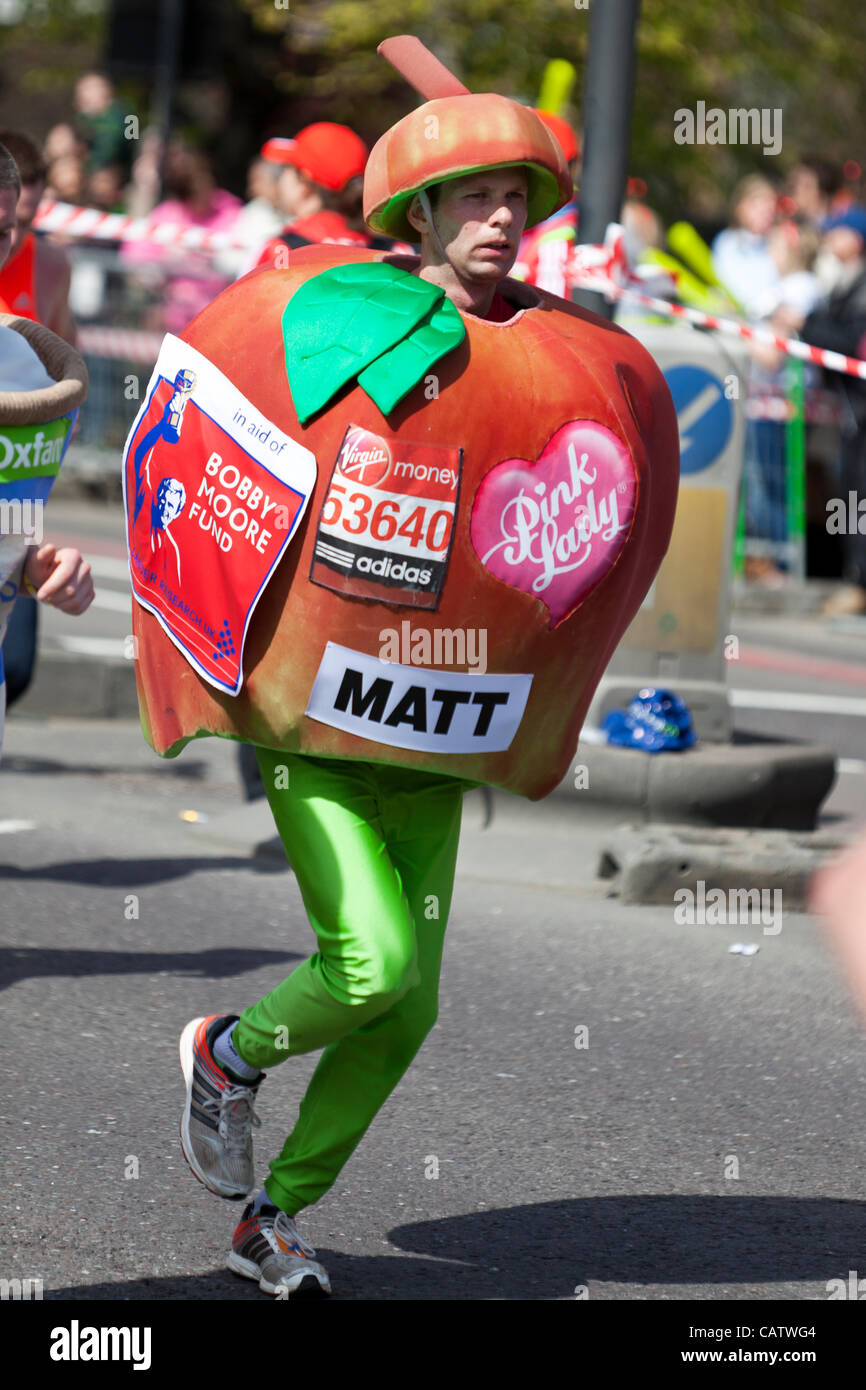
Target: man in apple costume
[(480, 459)]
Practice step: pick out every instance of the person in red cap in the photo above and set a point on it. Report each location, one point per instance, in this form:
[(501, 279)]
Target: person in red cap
[(544, 250), (319, 188)]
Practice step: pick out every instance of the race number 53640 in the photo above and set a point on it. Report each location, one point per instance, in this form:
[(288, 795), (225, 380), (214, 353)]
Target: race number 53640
[(354, 512)]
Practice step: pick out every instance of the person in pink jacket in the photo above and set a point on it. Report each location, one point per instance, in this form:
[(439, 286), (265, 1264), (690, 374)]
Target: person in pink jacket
[(192, 279)]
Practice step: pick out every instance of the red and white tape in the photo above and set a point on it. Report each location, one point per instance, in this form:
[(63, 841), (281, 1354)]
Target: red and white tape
[(92, 224), (819, 408), (128, 344), (603, 268)]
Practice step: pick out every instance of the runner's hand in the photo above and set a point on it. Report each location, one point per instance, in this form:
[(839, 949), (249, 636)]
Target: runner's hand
[(61, 577)]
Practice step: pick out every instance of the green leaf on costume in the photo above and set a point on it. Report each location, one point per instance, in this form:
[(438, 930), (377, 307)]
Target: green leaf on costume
[(392, 376), (371, 321), (339, 322)]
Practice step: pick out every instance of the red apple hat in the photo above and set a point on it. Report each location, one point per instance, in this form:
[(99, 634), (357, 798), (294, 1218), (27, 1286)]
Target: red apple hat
[(456, 132)]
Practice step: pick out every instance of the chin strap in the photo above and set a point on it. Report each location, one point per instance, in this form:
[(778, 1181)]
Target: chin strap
[(428, 212)]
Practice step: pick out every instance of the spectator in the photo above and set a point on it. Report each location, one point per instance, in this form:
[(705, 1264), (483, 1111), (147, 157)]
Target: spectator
[(65, 179), (741, 255), (817, 187), (839, 324), (100, 121), (316, 186), (783, 308), (544, 250), (813, 184), (258, 220), (194, 201), (105, 188), (144, 186), (35, 280), (642, 227), (63, 140)]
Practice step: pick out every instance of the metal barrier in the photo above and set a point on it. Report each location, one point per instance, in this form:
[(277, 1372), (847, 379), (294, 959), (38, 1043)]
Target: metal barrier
[(789, 429)]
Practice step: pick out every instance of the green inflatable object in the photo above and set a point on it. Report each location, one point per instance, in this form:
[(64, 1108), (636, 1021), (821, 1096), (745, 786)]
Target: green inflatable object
[(371, 321)]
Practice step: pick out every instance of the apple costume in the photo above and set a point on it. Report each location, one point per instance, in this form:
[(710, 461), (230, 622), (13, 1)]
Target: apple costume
[(377, 487)]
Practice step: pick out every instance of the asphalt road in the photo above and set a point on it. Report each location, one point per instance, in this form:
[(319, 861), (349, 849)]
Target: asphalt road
[(705, 1144)]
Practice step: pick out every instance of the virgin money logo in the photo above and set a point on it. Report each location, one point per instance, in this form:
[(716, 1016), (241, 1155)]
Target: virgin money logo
[(366, 457)]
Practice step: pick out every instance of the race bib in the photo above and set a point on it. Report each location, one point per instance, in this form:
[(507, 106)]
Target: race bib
[(214, 493), (387, 524)]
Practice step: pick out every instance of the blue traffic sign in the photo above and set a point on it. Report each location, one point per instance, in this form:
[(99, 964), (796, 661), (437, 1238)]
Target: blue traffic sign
[(704, 414)]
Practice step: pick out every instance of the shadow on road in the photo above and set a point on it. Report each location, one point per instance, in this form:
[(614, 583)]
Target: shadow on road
[(548, 1250), (30, 962), (122, 873), (21, 763)]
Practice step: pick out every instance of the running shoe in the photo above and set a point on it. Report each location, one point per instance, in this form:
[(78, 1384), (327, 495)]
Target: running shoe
[(268, 1247), (218, 1117)]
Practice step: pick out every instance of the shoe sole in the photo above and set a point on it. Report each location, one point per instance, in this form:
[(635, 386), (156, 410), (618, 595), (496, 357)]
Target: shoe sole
[(298, 1285), (187, 1062)]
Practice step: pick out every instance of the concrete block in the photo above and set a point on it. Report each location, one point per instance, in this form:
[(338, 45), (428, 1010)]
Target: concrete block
[(647, 864)]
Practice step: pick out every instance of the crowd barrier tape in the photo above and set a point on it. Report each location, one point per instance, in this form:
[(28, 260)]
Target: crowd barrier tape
[(92, 224), (130, 344), (599, 268), (820, 408), (604, 270)]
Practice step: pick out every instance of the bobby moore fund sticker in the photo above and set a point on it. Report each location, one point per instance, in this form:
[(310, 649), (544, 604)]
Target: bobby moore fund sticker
[(387, 523), (213, 493)]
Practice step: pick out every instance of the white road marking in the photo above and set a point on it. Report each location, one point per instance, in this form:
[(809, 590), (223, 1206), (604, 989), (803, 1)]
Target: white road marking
[(12, 827), (91, 646), (110, 598), (854, 765), (797, 702), (107, 566)]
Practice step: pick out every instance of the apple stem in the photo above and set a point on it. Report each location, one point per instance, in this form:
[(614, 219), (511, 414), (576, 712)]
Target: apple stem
[(421, 68)]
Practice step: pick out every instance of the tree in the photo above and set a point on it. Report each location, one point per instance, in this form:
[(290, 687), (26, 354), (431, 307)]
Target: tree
[(807, 62)]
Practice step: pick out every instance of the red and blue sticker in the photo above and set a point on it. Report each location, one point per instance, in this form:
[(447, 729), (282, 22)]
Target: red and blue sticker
[(213, 493)]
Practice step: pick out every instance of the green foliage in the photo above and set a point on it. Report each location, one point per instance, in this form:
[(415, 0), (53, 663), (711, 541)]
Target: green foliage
[(49, 44), (807, 60)]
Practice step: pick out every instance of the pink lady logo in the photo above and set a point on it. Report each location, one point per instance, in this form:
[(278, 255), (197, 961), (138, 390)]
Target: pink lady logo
[(366, 457), (555, 527)]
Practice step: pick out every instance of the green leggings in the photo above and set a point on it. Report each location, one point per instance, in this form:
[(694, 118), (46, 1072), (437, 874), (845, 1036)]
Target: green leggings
[(373, 848)]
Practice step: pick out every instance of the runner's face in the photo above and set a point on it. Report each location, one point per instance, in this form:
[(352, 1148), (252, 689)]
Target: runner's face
[(292, 191), (480, 220), (28, 202), (8, 224)]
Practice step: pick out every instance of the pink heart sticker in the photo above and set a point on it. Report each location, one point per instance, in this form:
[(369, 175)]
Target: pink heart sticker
[(555, 527)]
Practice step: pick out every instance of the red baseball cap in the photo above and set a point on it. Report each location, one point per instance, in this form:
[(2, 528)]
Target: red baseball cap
[(328, 154), (563, 132)]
